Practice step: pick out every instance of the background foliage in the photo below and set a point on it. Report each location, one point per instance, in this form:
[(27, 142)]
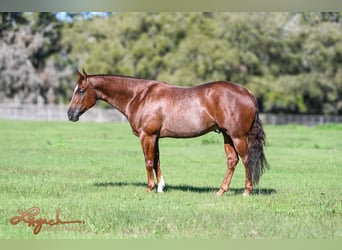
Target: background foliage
[(291, 61)]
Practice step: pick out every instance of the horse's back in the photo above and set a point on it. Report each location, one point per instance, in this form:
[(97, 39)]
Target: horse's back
[(190, 111), (227, 88)]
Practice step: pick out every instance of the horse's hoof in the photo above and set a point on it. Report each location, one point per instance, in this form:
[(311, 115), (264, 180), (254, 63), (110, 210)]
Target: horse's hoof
[(219, 193), (160, 188), (246, 194), (161, 185)]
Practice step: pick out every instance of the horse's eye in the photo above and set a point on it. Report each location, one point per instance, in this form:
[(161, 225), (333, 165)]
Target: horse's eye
[(81, 91)]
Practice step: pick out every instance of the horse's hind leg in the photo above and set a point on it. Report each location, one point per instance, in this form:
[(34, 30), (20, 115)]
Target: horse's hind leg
[(242, 149), (232, 161)]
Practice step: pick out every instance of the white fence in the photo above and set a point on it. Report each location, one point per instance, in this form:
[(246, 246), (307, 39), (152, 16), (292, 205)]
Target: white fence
[(309, 120), (96, 114), (57, 113)]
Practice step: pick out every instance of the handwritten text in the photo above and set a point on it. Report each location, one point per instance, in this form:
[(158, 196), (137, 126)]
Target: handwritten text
[(29, 217)]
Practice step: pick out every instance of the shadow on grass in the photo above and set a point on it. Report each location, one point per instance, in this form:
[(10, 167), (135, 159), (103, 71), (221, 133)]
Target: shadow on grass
[(188, 188)]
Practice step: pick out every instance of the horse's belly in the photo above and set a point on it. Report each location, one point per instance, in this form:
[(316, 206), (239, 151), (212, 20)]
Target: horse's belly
[(185, 125)]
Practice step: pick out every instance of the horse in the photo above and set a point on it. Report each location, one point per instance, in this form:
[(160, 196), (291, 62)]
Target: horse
[(157, 110)]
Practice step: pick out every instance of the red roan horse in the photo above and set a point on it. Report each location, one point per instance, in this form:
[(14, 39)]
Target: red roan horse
[(156, 110)]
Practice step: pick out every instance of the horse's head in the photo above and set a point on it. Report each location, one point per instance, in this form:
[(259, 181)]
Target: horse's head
[(83, 98)]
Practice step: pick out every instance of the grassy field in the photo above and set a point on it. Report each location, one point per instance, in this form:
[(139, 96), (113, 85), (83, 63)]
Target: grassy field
[(95, 173)]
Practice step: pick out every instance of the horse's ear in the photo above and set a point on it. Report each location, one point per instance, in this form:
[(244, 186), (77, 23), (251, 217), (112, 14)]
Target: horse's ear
[(84, 73), (79, 74), (80, 78)]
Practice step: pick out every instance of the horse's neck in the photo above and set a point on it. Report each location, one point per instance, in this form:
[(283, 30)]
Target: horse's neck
[(117, 91)]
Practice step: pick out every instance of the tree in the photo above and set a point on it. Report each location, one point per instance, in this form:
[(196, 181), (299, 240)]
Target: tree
[(28, 59), (291, 61)]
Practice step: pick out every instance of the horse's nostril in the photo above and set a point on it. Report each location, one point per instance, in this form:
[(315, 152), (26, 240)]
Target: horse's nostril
[(73, 114), (69, 114)]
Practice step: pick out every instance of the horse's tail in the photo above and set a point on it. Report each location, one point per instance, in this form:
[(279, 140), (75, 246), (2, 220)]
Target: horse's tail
[(257, 162)]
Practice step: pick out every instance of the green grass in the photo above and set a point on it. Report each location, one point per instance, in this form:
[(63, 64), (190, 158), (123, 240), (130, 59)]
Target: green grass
[(95, 172)]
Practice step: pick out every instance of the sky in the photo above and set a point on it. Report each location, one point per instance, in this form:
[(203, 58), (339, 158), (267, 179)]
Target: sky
[(65, 16)]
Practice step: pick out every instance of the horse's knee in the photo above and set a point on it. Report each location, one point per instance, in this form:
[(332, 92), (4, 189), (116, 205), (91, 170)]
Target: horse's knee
[(149, 164)]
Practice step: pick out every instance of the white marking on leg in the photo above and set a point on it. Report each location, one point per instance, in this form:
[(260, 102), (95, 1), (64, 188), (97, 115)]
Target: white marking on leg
[(161, 185)]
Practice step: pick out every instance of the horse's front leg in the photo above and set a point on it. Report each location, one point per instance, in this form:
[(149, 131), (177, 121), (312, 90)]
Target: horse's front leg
[(150, 148), (156, 166)]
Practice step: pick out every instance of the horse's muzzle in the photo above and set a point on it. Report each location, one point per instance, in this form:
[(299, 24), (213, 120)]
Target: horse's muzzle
[(74, 114)]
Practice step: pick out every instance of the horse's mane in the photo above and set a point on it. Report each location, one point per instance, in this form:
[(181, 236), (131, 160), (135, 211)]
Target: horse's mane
[(122, 76)]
